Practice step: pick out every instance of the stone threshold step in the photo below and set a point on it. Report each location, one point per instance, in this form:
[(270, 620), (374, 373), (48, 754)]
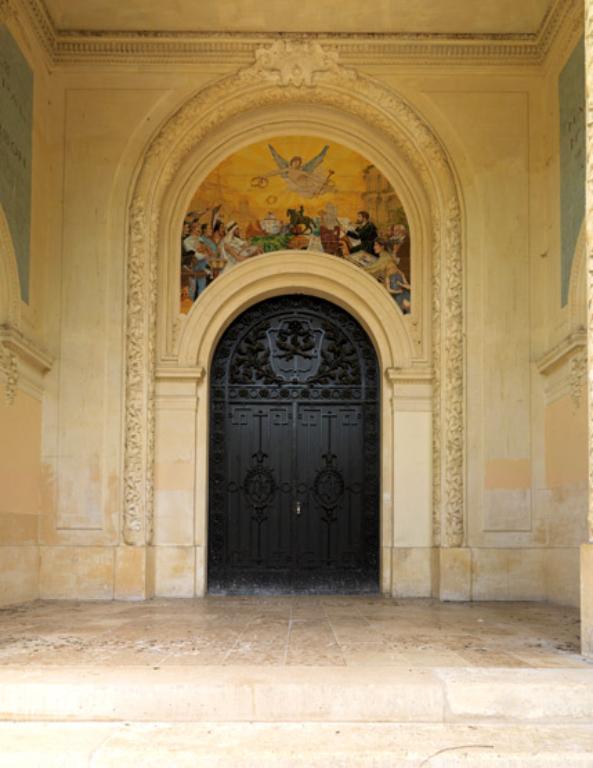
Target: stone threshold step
[(297, 694), (293, 745)]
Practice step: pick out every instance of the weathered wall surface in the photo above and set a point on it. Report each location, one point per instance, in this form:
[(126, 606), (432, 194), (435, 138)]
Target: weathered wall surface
[(489, 126), (20, 497), (525, 420), (24, 358), (558, 322), (485, 124)]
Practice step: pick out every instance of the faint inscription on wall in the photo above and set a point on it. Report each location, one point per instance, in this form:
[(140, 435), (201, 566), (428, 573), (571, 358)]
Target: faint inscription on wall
[(16, 127), (572, 158)]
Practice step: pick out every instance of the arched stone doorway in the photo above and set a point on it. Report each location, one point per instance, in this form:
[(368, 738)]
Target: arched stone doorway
[(421, 359), (183, 393), (294, 452)]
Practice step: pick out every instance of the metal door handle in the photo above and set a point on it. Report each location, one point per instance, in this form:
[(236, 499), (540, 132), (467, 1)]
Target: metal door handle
[(298, 508)]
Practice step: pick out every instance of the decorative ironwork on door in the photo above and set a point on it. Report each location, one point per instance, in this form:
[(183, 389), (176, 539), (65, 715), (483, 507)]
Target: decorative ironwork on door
[(294, 451)]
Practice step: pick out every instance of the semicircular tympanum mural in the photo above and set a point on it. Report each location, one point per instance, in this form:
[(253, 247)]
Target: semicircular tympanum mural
[(298, 193)]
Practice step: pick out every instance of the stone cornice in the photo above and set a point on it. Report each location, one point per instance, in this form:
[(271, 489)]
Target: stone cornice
[(66, 47), (562, 352), (23, 363), (564, 369), (26, 349)]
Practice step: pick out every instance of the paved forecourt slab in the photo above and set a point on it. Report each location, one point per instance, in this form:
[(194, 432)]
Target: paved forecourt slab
[(293, 745)]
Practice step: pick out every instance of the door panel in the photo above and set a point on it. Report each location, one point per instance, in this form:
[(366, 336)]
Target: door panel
[(258, 512), (330, 471), (294, 452)]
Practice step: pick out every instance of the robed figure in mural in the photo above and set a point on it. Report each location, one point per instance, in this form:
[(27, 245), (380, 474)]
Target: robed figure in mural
[(298, 205)]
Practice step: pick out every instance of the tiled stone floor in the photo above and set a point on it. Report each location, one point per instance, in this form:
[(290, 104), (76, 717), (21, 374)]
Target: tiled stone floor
[(309, 631)]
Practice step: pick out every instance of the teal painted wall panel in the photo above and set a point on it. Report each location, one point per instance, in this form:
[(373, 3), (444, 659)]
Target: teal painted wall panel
[(16, 138), (572, 159)]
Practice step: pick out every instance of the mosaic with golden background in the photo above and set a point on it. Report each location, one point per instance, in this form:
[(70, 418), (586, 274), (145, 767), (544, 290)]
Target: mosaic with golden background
[(297, 193)]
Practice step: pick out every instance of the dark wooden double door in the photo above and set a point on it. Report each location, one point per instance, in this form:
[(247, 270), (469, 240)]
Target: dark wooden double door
[(294, 452)]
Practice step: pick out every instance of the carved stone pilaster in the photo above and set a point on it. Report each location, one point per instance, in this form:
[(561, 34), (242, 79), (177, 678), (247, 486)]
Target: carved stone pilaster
[(589, 225), (578, 377), (453, 378), (10, 369), (139, 433), (436, 380)]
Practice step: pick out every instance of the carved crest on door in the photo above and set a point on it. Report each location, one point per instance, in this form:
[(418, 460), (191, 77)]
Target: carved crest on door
[(295, 349)]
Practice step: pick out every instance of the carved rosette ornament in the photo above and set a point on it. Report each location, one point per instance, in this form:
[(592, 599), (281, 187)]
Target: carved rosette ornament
[(286, 73), (589, 226)]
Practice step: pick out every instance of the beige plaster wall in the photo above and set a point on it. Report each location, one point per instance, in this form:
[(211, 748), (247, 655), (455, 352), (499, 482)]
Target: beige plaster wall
[(484, 122), (20, 497), (559, 414), (99, 126), (497, 128), (26, 348)]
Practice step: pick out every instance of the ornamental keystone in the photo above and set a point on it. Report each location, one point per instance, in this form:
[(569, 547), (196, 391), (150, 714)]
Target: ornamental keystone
[(289, 62)]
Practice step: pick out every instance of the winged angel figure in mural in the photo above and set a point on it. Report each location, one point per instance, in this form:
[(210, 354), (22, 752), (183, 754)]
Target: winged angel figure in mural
[(306, 179)]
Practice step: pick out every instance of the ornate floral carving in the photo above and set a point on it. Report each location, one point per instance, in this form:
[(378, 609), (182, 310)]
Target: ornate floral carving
[(589, 220), (337, 87), (436, 379), (287, 62), (138, 372), (7, 10), (578, 376), (10, 368), (453, 377)]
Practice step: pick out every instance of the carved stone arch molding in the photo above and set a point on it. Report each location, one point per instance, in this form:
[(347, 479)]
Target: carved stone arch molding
[(283, 74), (290, 119)]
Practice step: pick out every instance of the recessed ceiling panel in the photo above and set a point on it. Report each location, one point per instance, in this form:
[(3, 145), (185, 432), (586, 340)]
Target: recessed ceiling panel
[(325, 16)]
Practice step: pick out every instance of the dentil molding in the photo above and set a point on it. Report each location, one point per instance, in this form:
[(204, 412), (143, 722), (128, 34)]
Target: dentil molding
[(73, 46)]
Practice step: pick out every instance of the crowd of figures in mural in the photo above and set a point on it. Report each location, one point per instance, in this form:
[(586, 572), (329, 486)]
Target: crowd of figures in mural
[(298, 194)]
